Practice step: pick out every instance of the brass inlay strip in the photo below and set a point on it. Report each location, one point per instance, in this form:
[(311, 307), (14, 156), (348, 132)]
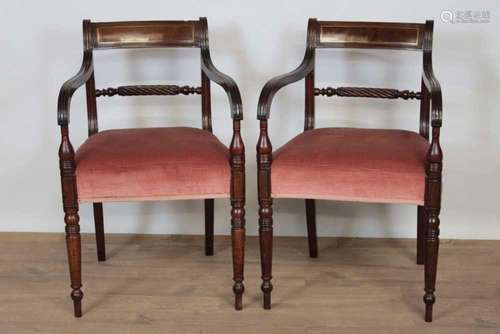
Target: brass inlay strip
[(326, 37), (144, 34)]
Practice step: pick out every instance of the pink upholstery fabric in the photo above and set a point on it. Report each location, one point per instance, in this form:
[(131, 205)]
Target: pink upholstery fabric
[(364, 165), (152, 164)]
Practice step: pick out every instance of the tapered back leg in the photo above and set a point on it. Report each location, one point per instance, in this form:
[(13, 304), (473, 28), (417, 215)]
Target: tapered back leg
[(311, 227), (99, 232), (209, 227)]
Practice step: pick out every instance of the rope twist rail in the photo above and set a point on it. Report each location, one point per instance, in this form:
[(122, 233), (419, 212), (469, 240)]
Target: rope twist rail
[(381, 93), (148, 90)]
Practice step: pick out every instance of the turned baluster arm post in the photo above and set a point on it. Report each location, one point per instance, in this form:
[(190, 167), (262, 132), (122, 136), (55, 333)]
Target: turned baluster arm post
[(237, 162), (264, 161), (433, 172), (68, 180)]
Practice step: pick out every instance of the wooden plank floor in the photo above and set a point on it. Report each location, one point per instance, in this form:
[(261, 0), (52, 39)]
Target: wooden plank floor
[(164, 284)]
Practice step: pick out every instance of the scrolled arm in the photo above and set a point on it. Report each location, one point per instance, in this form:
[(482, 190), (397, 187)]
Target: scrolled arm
[(70, 86), (434, 88), (429, 79), (227, 83), (275, 84), (223, 80)]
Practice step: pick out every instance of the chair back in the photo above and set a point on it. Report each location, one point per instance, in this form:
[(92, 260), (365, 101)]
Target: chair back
[(368, 35), (146, 34)]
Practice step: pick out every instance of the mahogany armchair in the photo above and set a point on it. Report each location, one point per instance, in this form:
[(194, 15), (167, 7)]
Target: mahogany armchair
[(349, 164), (150, 163)]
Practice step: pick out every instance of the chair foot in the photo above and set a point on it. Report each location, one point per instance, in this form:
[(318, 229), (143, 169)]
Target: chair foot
[(267, 300), (101, 257), (267, 287), (428, 313), (429, 300), (238, 302), (238, 289), (209, 252), (77, 296)]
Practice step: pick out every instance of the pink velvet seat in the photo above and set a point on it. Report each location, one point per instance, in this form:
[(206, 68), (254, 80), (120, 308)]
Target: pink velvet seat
[(152, 164), (365, 165)]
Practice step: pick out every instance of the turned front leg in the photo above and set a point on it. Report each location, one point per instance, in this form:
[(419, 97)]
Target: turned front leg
[(432, 244), (237, 150), (432, 210), (71, 218), (264, 157)]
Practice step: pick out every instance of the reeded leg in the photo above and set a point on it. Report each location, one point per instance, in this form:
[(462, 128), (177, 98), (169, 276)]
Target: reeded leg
[(73, 245), (238, 242), (311, 227), (264, 157), (266, 251), (209, 227), (432, 249), (421, 234), (99, 232), (237, 150)]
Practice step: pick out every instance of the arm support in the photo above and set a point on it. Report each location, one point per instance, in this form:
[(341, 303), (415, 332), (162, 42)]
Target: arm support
[(275, 84), (70, 86), (226, 82)]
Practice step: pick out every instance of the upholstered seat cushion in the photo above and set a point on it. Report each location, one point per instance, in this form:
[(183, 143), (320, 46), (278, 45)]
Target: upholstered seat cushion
[(152, 164), (365, 165)]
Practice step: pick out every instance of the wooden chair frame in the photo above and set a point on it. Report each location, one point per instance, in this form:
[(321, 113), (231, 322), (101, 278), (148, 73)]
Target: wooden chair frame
[(148, 34), (324, 34)]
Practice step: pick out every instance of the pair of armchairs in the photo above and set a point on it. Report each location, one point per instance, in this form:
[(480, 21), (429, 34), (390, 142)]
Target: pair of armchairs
[(366, 165)]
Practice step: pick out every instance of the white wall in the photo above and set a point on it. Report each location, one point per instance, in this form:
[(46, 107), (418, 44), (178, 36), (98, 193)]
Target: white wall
[(252, 41)]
